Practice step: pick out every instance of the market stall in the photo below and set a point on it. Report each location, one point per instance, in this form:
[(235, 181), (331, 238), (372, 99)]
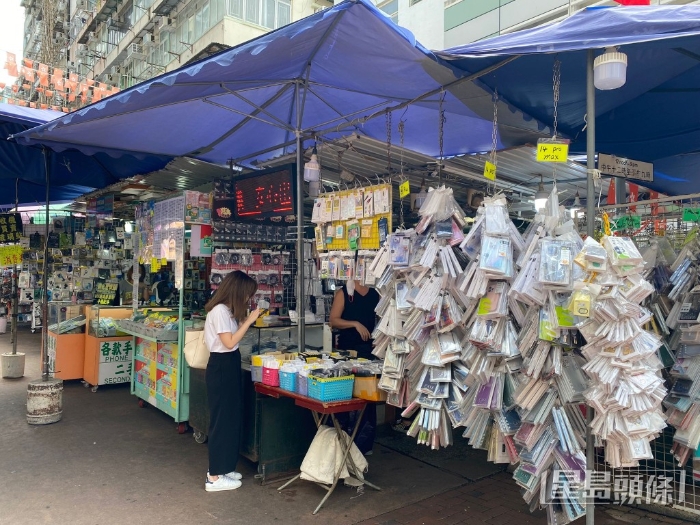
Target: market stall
[(107, 349), (519, 381)]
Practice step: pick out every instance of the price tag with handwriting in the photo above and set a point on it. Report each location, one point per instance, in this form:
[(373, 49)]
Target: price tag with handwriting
[(550, 150), (490, 170), (404, 189)]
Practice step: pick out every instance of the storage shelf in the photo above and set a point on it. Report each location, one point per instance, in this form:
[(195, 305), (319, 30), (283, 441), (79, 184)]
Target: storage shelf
[(147, 338)]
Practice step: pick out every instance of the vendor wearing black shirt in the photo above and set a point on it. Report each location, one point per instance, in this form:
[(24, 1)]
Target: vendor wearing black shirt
[(353, 314)]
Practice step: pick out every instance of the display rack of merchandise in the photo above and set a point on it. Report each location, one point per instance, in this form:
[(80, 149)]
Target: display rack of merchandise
[(488, 345)]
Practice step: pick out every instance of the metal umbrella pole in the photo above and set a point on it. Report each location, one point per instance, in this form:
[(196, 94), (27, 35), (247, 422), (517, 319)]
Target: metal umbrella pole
[(301, 313), (590, 228), (45, 395), (15, 290), (45, 298)]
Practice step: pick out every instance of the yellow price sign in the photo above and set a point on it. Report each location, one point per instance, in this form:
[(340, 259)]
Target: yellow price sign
[(490, 170), (404, 189), (11, 255), (163, 261), (552, 151), (155, 265)]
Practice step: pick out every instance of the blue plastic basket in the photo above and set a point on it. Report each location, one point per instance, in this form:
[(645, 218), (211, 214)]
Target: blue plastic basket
[(288, 381), (303, 385), (331, 388)]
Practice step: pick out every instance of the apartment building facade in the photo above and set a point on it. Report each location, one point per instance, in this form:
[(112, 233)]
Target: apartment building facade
[(440, 24), (124, 42)]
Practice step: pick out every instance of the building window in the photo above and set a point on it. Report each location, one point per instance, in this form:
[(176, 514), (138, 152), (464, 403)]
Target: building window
[(267, 13), (391, 8)]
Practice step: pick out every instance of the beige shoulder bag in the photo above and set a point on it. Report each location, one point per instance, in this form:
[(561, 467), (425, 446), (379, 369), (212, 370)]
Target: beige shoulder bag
[(196, 351)]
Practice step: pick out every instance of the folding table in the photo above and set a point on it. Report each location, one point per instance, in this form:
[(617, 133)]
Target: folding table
[(322, 411)]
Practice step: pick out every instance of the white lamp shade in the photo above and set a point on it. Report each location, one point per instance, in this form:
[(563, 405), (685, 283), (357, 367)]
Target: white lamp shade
[(540, 203), (610, 70), (312, 169)]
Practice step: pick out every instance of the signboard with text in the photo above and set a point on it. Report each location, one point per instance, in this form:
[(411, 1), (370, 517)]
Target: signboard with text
[(115, 362), (627, 168)]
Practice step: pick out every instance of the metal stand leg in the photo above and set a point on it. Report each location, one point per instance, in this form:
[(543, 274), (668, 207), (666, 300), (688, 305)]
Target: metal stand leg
[(346, 451), (346, 445), (290, 481), (319, 419), (346, 441)]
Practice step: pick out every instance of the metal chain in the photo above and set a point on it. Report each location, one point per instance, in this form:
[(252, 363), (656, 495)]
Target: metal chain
[(494, 137), (441, 134), (556, 85), (494, 132), (388, 142), (401, 128)]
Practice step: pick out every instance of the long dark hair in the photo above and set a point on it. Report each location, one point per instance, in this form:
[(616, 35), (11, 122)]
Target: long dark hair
[(234, 291)]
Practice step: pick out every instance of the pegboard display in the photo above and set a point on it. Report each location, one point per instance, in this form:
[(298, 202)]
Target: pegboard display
[(274, 270), (362, 213)]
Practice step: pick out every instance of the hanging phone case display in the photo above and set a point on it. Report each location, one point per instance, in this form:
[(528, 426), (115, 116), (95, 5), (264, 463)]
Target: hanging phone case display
[(91, 269), (160, 374), (676, 315), (485, 342), (350, 220), (420, 329)]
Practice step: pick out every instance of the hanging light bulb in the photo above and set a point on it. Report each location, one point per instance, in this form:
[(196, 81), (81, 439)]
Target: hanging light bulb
[(610, 70), (541, 197), (312, 169), (576, 206)]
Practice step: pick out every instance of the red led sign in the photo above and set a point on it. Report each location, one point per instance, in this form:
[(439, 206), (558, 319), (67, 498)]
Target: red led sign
[(265, 195)]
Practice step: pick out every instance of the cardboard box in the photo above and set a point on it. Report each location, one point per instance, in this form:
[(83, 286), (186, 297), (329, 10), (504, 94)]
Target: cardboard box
[(366, 388)]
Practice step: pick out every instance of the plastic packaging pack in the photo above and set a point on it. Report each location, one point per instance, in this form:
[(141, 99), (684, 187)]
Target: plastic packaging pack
[(556, 263)]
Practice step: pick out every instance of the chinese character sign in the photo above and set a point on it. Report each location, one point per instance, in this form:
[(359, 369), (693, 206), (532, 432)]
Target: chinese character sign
[(10, 227), (664, 488), (11, 255), (115, 362)]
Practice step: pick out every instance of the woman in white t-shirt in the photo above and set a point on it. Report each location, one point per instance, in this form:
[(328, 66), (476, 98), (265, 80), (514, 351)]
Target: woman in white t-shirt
[(224, 328)]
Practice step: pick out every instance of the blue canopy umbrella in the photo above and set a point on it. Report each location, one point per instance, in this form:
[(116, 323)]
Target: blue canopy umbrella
[(328, 75), (71, 173), (31, 175), (654, 116)]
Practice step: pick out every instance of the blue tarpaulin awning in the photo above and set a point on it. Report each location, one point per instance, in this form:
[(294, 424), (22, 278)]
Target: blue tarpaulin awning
[(333, 69), (654, 117), (72, 173)]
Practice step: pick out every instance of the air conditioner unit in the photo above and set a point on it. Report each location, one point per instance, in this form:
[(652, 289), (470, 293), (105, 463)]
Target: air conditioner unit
[(168, 24), (148, 39), (135, 52), (115, 70), (91, 36), (81, 4)]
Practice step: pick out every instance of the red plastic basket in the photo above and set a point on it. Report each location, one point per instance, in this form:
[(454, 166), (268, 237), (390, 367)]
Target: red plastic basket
[(271, 376)]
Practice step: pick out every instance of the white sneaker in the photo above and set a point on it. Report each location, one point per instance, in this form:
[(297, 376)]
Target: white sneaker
[(222, 483), (234, 475)]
